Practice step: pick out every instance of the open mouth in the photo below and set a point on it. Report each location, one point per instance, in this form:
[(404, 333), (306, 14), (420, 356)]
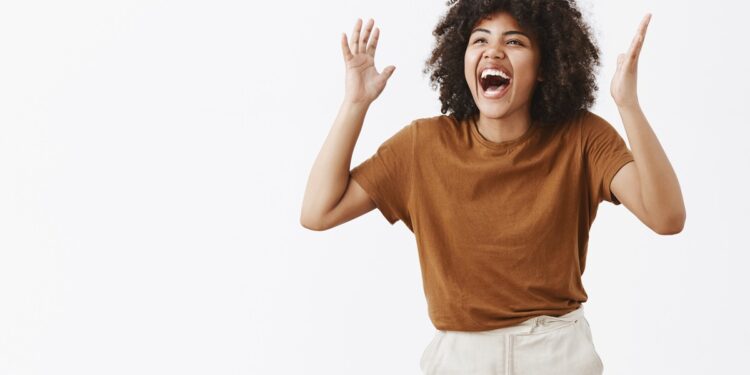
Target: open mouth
[(494, 81)]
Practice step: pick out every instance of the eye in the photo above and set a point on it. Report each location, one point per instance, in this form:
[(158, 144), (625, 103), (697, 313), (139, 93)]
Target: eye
[(516, 41)]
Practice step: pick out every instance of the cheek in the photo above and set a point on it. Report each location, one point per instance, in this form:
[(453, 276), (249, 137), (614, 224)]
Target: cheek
[(469, 80), (467, 67), (529, 73), (469, 73)]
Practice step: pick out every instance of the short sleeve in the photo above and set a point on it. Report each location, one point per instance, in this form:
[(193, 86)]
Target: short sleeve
[(386, 175), (605, 152)]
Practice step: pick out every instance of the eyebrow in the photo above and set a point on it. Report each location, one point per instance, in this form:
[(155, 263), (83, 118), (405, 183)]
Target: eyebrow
[(511, 32)]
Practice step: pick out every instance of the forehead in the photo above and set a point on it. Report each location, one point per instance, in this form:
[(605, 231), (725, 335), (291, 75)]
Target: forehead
[(502, 23), (499, 21)]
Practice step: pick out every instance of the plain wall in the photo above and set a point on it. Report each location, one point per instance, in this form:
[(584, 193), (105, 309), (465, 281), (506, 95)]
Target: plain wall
[(154, 156)]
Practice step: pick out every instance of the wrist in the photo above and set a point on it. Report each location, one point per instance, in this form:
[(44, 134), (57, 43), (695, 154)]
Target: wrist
[(356, 104), (630, 107)]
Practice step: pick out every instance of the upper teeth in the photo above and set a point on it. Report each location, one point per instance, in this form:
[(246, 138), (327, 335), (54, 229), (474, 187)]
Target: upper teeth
[(494, 72)]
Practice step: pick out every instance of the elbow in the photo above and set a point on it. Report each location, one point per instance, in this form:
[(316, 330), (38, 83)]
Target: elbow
[(668, 231), (672, 225)]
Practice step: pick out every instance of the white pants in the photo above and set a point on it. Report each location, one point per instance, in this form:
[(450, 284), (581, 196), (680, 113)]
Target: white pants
[(538, 346)]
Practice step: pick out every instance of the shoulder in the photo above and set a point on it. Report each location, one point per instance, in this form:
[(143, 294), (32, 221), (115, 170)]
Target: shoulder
[(434, 121), (567, 131), (435, 125), (418, 130), (592, 128), (591, 123)]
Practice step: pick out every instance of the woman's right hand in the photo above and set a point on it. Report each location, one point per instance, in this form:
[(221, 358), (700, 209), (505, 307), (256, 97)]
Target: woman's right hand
[(363, 83)]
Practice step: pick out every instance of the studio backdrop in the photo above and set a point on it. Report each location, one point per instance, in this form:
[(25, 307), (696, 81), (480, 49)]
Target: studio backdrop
[(154, 156)]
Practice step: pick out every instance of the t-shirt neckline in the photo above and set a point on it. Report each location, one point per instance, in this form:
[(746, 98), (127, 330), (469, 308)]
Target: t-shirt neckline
[(499, 146)]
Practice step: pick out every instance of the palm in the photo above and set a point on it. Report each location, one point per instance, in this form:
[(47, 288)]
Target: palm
[(363, 82), (362, 77)]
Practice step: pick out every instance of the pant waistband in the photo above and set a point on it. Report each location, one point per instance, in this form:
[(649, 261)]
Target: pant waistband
[(531, 323)]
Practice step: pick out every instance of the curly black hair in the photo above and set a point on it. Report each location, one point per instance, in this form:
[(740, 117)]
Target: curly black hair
[(569, 56)]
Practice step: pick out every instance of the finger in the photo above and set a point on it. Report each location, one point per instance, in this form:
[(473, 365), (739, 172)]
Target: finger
[(638, 48), (634, 48), (634, 44), (621, 64), (373, 42), (625, 64), (388, 72), (355, 36), (644, 28), (630, 56), (345, 47), (640, 36), (644, 24), (365, 36)]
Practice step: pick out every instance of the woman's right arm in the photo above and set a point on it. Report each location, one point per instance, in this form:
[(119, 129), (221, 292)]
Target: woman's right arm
[(331, 196)]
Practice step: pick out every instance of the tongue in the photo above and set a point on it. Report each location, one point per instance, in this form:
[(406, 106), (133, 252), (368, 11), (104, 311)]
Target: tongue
[(494, 88), (495, 83)]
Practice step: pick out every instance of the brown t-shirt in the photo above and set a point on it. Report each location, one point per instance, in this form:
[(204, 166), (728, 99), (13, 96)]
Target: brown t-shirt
[(501, 228)]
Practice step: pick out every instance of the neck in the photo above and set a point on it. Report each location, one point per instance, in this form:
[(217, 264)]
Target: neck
[(504, 128)]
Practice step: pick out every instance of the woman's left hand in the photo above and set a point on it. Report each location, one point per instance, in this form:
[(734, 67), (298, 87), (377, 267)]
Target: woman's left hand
[(623, 87)]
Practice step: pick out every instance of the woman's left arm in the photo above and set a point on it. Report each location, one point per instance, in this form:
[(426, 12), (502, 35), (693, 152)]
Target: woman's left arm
[(648, 186)]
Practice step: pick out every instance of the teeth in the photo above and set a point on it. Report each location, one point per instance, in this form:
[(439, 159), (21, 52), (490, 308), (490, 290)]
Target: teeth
[(494, 72)]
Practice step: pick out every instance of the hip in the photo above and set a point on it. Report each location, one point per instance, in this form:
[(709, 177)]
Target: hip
[(540, 345)]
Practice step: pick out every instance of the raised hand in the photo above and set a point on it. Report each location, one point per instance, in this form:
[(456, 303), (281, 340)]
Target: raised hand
[(363, 82), (624, 87)]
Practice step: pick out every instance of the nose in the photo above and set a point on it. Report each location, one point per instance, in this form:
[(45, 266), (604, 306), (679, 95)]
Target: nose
[(493, 53)]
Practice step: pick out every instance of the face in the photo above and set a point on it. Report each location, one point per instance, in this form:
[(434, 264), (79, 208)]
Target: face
[(500, 44)]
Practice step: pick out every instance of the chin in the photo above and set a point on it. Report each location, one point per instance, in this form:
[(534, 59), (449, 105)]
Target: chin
[(494, 112)]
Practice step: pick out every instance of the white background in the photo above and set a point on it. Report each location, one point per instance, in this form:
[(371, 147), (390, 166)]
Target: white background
[(154, 156)]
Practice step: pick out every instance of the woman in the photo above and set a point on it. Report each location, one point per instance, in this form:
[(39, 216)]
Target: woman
[(500, 192)]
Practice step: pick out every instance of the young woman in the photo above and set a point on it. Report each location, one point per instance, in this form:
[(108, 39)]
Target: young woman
[(500, 192)]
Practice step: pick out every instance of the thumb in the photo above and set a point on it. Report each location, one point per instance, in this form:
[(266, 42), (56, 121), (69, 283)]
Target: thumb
[(388, 71)]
